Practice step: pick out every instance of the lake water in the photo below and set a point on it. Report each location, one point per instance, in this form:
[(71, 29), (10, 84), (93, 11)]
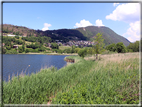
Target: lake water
[(14, 64)]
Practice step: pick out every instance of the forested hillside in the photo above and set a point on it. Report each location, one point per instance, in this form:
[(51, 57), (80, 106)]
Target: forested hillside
[(109, 35), (84, 33)]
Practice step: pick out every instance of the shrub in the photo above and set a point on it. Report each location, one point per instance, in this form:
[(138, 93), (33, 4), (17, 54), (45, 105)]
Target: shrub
[(13, 51), (67, 50), (120, 47), (20, 49), (54, 46), (8, 47), (17, 37), (27, 50), (111, 47), (82, 52)]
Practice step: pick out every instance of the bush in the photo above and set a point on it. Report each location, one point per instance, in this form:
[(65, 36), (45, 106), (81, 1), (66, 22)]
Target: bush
[(111, 47), (76, 50), (8, 47), (82, 52), (17, 37), (54, 46), (120, 47), (41, 49), (20, 49), (27, 50), (13, 51)]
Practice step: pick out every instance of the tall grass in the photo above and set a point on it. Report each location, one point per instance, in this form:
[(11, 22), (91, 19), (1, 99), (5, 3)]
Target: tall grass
[(41, 87), (112, 80)]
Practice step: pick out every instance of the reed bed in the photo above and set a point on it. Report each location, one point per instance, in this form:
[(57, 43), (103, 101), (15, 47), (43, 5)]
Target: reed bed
[(114, 79), (39, 88)]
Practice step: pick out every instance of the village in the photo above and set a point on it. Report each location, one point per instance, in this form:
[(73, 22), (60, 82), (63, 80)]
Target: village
[(76, 43)]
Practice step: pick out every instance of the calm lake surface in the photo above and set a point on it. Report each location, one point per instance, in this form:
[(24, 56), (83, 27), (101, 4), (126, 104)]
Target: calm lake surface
[(14, 64)]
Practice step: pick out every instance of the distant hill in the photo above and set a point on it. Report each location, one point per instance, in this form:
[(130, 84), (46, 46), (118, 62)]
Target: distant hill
[(109, 35), (83, 33)]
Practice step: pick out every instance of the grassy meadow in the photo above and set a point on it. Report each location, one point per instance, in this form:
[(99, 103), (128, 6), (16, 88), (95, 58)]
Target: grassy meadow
[(114, 79), (64, 47)]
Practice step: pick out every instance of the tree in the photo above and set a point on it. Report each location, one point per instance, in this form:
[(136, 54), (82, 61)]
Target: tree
[(90, 51), (27, 50), (76, 50), (133, 46), (73, 49), (54, 46), (23, 47), (3, 50), (99, 44), (120, 47), (20, 49)]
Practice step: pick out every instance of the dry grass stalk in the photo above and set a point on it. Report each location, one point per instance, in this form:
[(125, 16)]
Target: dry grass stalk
[(121, 59)]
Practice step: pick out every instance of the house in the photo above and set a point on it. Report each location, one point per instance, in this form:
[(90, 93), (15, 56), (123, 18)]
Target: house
[(15, 46), (49, 44), (10, 35)]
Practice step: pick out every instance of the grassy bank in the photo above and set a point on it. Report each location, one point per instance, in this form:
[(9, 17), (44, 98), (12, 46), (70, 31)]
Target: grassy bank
[(112, 80)]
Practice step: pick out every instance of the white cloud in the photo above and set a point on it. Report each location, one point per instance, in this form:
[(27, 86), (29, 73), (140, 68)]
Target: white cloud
[(115, 4), (133, 32), (99, 23), (83, 23), (129, 12), (46, 25)]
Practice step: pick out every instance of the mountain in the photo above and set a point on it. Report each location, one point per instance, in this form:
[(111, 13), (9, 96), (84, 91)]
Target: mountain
[(109, 35), (83, 33)]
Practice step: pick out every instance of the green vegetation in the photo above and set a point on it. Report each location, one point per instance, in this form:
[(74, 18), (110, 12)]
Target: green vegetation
[(82, 52), (99, 44), (109, 35), (64, 47), (84, 33), (114, 79), (133, 47), (12, 51), (121, 48), (54, 46), (24, 47)]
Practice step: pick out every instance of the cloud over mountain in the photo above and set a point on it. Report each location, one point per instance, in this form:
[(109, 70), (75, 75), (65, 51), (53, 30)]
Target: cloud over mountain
[(83, 23), (46, 25), (129, 13), (99, 22)]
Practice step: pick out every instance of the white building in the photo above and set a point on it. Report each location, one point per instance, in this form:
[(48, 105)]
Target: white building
[(10, 35)]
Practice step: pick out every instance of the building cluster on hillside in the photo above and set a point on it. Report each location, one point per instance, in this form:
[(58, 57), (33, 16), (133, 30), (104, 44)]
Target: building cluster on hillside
[(76, 43), (12, 35)]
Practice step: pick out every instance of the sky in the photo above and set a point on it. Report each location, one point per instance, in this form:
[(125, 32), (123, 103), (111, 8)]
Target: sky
[(122, 18)]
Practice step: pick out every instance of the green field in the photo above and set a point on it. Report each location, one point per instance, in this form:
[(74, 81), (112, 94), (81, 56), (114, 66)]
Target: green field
[(64, 47), (114, 79)]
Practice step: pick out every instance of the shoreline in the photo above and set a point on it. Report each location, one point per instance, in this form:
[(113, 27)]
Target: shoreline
[(46, 54)]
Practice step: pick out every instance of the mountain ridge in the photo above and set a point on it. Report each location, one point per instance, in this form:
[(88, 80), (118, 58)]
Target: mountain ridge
[(81, 33)]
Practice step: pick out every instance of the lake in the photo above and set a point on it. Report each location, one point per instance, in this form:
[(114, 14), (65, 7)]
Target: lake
[(14, 64)]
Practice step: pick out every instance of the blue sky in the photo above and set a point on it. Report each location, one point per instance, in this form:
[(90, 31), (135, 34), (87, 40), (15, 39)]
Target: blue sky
[(122, 18)]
